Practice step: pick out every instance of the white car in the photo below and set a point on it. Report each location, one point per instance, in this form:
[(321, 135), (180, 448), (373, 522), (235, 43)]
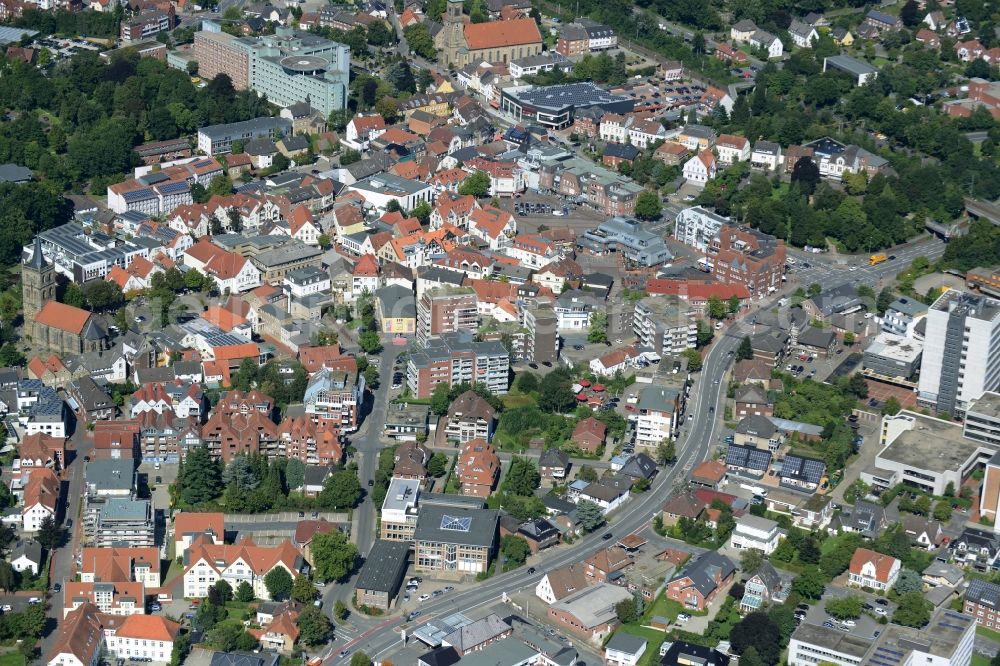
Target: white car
[(423, 597), (683, 617), (880, 611), (850, 624)]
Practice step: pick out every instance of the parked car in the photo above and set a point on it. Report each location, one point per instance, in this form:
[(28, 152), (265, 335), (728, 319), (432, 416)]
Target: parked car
[(423, 597)]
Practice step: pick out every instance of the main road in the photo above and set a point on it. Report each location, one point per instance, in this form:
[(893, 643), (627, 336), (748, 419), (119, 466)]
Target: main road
[(704, 406)]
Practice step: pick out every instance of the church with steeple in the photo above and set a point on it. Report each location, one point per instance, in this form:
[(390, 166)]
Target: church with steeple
[(56, 326), (461, 42)]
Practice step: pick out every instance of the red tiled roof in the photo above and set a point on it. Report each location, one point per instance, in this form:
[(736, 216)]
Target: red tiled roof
[(63, 317), (883, 563), (499, 34)]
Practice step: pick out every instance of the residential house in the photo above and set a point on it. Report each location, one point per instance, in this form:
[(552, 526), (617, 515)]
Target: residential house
[(560, 583), (701, 580), (470, 417), (589, 435), (753, 532), (478, 468), (873, 570), (701, 168), (245, 561), (553, 465), (762, 588)]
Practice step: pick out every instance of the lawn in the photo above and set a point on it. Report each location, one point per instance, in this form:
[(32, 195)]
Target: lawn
[(831, 544), (979, 660), (988, 633), (669, 608), (17, 659), (512, 400)]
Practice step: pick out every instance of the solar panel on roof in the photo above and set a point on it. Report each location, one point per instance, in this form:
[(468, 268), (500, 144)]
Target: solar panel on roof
[(153, 178), (138, 195), (173, 188)]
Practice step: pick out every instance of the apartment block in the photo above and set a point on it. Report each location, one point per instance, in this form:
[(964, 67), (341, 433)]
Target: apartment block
[(664, 324), (446, 310), (222, 53), (454, 358)]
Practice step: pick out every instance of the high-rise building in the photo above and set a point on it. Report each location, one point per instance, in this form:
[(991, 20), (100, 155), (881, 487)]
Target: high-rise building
[(456, 359), (541, 343), (222, 53), (961, 351)]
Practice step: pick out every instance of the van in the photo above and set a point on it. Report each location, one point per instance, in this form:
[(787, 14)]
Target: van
[(782, 302)]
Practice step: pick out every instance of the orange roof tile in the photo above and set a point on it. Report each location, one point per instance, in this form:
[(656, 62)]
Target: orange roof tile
[(63, 317), (498, 34), (148, 627)]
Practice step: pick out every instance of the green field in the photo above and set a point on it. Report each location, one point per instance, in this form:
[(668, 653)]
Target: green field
[(12, 659)]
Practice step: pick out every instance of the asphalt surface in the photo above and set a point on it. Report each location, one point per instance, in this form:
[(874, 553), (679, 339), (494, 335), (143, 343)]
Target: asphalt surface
[(831, 270), (635, 516)]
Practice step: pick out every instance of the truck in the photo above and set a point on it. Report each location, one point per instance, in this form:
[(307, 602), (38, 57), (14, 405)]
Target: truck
[(876, 259), (756, 490)]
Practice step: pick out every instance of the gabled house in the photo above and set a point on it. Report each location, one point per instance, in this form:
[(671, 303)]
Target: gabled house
[(206, 563), (763, 587), (873, 570), (701, 580), (470, 417)]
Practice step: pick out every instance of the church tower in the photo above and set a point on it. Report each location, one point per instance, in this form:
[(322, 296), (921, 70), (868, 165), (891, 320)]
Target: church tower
[(38, 283), (454, 26)]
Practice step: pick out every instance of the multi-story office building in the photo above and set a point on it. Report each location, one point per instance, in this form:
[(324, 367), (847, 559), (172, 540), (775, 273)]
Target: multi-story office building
[(455, 358), (982, 420), (291, 66), (222, 53), (446, 310), (894, 356), (399, 510), (453, 541), (665, 324), (218, 139), (961, 351)]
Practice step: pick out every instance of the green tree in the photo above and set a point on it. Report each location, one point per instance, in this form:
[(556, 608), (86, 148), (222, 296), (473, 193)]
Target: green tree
[(440, 399), (648, 206), (230, 637), (745, 351), (437, 466), (74, 296), (341, 491), (334, 556), (666, 452), (717, 308), (477, 185), (515, 551), (103, 295), (422, 211), (783, 616), (809, 584), (370, 342), (693, 358), (349, 156), (199, 477), (625, 611), (527, 382), (891, 407), (598, 332), (278, 583), (590, 515), (224, 590), (586, 473), (295, 473), (360, 659), (50, 534), (912, 610), (10, 357), (814, 289), (340, 610), (8, 577), (303, 591), (757, 630), (844, 608), (522, 477), (942, 511), (884, 300), (704, 333), (858, 386), (734, 304), (750, 560), (220, 186), (244, 592), (908, 581), (805, 174), (314, 627), (555, 394), (419, 40)]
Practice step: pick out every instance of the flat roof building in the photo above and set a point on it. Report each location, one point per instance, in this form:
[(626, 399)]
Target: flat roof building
[(554, 106), (382, 574), (861, 71), (218, 139), (893, 356)]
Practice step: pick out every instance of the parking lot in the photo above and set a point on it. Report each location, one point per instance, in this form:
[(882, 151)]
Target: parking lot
[(867, 626)]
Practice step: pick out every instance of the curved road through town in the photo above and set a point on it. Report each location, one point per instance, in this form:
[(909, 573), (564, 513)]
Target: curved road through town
[(704, 405)]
